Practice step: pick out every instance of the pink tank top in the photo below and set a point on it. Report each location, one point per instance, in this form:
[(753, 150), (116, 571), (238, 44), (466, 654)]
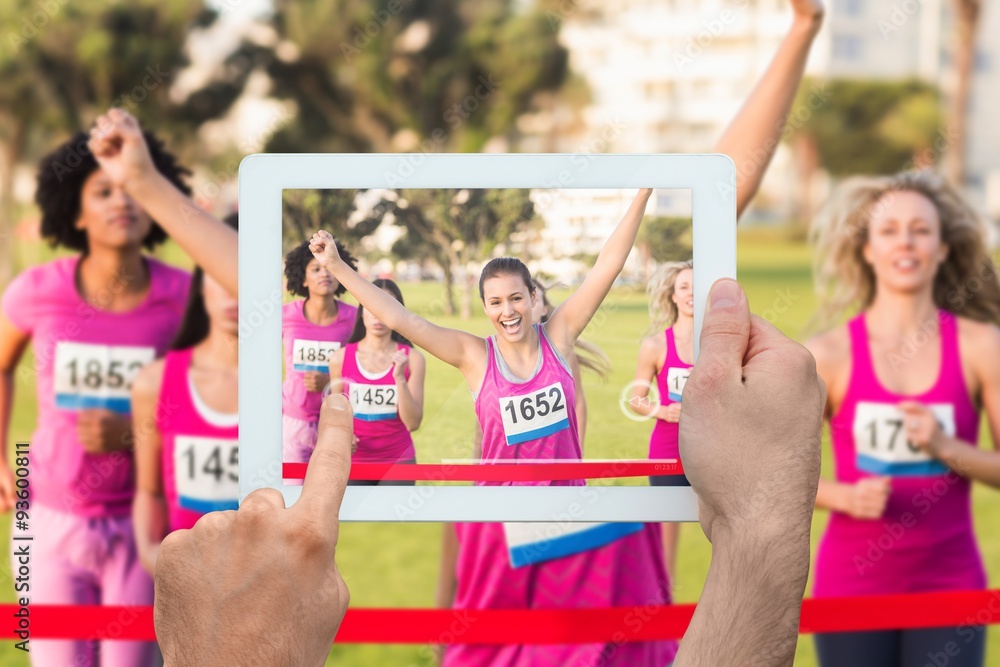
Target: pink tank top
[(529, 419), (382, 435), (925, 540), (86, 357), (626, 572), (199, 458), (670, 383), (307, 348)]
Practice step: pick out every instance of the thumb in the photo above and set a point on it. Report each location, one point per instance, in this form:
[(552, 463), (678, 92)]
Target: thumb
[(725, 333)]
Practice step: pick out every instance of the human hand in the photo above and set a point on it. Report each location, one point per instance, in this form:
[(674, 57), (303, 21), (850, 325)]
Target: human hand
[(259, 585), (400, 360), (809, 12), (118, 145), (922, 428), (324, 248), (102, 431), (669, 413), (753, 410), (866, 498), (315, 381)]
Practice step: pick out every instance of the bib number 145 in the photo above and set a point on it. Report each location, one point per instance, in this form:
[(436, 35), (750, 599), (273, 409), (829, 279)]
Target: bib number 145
[(207, 473), (534, 415)]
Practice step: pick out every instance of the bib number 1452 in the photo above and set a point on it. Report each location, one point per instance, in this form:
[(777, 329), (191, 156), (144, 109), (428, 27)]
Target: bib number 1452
[(534, 415), (207, 473)]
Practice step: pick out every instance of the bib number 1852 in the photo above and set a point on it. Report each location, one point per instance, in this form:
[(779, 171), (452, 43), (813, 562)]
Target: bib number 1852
[(534, 415)]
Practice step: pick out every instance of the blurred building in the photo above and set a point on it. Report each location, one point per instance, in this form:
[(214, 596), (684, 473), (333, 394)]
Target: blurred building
[(668, 75), (578, 222)]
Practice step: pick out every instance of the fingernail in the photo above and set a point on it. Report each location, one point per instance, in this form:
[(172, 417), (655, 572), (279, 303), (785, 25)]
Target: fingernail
[(725, 294)]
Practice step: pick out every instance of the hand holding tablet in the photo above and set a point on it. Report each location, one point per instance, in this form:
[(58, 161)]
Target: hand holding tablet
[(259, 585)]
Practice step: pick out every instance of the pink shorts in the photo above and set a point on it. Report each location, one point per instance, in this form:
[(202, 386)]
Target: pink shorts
[(86, 561), (298, 439)]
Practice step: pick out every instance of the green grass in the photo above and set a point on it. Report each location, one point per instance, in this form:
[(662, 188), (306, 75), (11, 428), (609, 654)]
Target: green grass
[(396, 565)]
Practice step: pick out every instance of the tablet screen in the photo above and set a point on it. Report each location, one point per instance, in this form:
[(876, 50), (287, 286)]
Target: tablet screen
[(610, 401)]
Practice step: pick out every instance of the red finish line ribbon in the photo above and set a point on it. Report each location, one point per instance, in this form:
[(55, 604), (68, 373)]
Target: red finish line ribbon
[(524, 471), (539, 626)]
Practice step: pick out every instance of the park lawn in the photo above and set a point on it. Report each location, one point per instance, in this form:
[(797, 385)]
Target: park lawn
[(396, 565)]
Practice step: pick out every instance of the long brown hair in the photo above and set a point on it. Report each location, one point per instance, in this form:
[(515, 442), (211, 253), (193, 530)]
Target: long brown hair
[(589, 355), (967, 282)]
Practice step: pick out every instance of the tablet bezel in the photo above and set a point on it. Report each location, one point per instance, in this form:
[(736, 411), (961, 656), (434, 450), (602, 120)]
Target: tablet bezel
[(711, 179)]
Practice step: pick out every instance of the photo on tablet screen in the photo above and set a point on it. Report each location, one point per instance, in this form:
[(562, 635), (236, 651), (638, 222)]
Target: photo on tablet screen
[(501, 265)]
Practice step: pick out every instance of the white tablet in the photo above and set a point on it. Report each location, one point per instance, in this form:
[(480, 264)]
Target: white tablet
[(571, 204)]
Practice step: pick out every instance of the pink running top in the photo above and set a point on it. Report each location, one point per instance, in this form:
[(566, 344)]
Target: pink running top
[(925, 540), (382, 435), (629, 571), (529, 419), (85, 358), (670, 383), (199, 457), (307, 348)]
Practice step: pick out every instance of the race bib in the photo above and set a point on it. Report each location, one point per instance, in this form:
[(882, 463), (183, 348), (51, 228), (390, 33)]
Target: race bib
[(207, 473), (676, 379), (97, 376), (313, 355), (881, 444), (530, 543), (373, 402), (534, 415)]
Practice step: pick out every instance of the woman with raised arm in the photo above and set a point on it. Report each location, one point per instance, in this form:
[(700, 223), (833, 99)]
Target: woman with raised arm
[(184, 407), (525, 396), (554, 565), (96, 317), (312, 329), (908, 378)]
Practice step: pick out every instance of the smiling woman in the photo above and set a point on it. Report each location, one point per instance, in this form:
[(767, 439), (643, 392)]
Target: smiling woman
[(907, 379)]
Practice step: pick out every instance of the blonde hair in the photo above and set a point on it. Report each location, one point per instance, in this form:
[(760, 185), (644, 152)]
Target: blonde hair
[(660, 290), (588, 355), (967, 282)]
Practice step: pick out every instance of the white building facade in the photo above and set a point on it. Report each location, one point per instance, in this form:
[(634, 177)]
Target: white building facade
[(668, 75)]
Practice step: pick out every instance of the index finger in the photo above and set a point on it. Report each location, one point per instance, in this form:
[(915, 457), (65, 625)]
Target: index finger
[(330, 463), (910, 406)]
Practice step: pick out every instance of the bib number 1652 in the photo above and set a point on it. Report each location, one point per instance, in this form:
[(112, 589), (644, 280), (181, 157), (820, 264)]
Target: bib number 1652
[(535, 414)]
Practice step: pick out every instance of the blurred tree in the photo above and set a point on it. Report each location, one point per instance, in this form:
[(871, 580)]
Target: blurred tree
[(62, 63), (427, 75), (459, 229), (664, 239), (967, 13), (306, 211), (862, 127)]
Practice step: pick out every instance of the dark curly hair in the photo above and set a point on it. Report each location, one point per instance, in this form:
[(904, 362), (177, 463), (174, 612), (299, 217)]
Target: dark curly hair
[(298, 259), (61, 175)]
